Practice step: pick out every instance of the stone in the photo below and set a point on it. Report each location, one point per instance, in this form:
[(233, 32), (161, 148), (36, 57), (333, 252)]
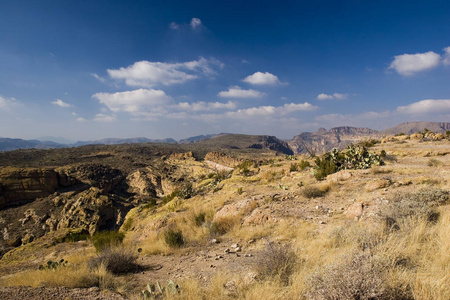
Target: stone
[(355, 211), (377, 184)]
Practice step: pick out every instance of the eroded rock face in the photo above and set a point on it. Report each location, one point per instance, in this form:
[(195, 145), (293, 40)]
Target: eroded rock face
[(89, 210), (222, 159), (103, 177), (19, 185), (145, 182)]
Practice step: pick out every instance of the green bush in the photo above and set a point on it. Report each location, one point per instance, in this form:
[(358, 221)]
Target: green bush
[(174, 238), (244, 167), (304, 164), (293, 168), (128, 224), (354, 157), (107, 239), (199, 219)]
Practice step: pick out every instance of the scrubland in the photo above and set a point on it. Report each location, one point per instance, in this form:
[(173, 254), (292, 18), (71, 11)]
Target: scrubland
[(271, 231)]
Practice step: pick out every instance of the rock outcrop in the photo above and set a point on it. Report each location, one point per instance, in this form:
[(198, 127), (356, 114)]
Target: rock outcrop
[(323, 141), (20, 185)]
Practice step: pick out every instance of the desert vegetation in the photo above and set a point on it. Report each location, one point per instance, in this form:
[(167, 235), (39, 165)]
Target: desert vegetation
[(347, 224)]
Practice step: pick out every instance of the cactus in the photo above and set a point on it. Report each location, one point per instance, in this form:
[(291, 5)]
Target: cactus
[(156, 289), (354, 157), (53, 265)]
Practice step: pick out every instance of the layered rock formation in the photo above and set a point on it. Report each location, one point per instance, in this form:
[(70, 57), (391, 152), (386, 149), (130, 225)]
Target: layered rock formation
[(322, 140)]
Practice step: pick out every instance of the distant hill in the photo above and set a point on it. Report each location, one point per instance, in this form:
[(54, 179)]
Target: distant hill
[(243, 141), (7, 144), (413, 127), (320, 141), (115, 141), (198, 138), (323, 140)]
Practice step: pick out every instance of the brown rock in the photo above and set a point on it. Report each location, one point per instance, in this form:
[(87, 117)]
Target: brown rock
[(377, 184), (258, 216), (355, 211), (21, 185), (238, 208)]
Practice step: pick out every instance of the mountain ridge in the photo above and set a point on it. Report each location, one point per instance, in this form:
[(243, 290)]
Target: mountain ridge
[(318, 141)]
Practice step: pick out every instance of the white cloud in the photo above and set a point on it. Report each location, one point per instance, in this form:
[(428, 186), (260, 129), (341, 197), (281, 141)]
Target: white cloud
[(101, 79), (196, 23), (446, 60), (426, 106), (409, 64), (260, 78), (334, 96), (6, 103), (104, 118), (148, 74), (81, 119), (61, 103), (174, 26), (271, 110), (134, 101), (237, 92), (205, 106)]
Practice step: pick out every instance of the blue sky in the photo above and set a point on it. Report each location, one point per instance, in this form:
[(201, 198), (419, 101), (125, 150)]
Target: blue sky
[(95, 69)]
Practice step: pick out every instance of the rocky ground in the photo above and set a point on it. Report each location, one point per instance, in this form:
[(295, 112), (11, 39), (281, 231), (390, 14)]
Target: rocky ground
[(269, 203)]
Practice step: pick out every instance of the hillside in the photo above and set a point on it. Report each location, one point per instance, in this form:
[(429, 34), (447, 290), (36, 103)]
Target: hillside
[(322, 140), (412, 127), (262, 228)]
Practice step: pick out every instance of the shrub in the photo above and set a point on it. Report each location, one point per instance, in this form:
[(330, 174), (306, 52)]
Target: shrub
[(293, 168), (356, 276), (313, 191), (354, 157), (150, 204), (432, 162), (107, 239), (304, 164), (73, 236), (222, 225), (116, 260), (199, 219), (276, 261), (244, 167), (128, 224), (174, 238), (420, 205)]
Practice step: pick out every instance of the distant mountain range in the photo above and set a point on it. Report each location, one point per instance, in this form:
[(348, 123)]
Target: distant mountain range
[(319, 141)]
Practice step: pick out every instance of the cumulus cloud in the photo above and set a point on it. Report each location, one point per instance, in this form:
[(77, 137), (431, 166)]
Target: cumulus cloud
[(101, 79), (148, 74), (134, 101), (80, 119), (260, 78), (409, 64), (426, 107), (205, 106), (61, 103), (446, 60), (104, 118), (237, 92), (196, 23), (335, 96)]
